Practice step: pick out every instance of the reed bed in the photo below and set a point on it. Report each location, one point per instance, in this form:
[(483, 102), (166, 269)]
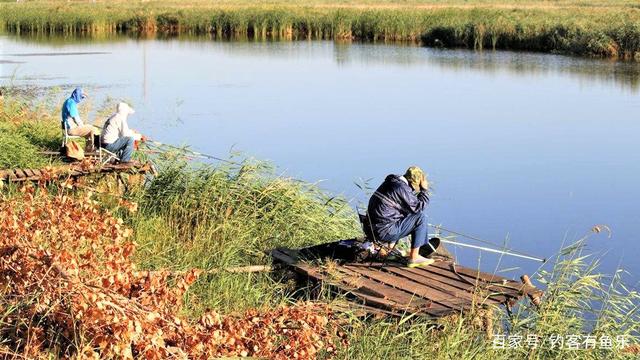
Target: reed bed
[(230, 215), (609, 29), (26, 129)]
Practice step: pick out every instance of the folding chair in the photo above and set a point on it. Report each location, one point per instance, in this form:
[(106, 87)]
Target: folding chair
[(367, 227), (109, 156), (66, 137), (104, 155)]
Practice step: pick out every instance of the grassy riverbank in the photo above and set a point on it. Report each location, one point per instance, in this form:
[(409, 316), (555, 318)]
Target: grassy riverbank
[(206, 217), (25, 130), (589, 28)]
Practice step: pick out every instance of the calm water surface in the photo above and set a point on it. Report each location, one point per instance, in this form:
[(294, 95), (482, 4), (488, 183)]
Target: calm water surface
[(533, 148)]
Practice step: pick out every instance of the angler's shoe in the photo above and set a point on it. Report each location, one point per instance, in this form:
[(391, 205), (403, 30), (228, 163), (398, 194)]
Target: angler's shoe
[(419, 263)]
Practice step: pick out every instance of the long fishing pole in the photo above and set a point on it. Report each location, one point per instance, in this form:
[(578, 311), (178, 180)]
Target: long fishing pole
[(198, 154), (195, 153), (504, 251)]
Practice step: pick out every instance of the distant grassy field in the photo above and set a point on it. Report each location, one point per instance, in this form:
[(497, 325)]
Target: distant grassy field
[(609, 28)]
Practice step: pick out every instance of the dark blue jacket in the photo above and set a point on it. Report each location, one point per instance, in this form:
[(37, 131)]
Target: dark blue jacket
[(392, 202)]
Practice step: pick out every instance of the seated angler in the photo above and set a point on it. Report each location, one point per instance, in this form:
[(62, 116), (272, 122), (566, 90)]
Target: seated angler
[(397, 209), (116, 135), (71, 119)]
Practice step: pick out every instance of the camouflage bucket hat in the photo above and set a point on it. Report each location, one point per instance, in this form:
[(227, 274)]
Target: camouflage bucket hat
[(414, 176)]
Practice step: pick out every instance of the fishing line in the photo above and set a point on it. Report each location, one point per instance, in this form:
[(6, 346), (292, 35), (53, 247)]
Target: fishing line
[(195, 153), (503, 252), (183, 149), (503, 249)]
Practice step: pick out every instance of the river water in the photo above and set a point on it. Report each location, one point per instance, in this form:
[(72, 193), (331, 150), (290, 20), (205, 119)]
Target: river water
[(532, 148)]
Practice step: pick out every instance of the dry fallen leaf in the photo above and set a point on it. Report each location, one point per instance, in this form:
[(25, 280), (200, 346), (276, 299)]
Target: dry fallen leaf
[(78, 260)]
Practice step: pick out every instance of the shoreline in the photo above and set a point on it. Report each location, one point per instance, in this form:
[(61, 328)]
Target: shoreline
[(604, 32), (190, 220)]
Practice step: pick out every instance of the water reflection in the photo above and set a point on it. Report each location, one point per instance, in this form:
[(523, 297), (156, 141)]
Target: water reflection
[(624, 74)]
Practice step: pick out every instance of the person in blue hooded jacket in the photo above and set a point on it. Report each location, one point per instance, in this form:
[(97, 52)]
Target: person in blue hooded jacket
[(71, 119), (397, 209)]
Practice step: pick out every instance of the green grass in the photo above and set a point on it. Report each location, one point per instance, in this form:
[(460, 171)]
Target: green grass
[(26, 130), (215, 217), (589, 28)]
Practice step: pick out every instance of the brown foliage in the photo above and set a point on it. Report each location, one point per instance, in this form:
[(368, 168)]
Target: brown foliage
[(69, 287)]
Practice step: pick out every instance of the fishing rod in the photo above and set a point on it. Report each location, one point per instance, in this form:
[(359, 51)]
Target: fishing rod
[(194, 153), (504, 251)]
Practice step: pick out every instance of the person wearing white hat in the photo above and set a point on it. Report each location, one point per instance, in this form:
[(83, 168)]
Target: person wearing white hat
[(116, 135)]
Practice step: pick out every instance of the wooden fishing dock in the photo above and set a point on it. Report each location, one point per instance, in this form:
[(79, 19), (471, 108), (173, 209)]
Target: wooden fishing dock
[(70, 171), (440, 289)]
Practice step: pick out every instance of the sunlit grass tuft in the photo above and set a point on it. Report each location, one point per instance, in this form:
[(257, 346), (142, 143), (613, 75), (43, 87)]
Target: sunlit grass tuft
[(26, 130), (215, 217)]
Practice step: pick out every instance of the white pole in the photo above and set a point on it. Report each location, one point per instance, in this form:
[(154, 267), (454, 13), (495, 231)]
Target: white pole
[(493, 250)]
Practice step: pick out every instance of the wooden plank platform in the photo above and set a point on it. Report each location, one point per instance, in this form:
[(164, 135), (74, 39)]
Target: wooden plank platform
[(440, 289), (66, 171)]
